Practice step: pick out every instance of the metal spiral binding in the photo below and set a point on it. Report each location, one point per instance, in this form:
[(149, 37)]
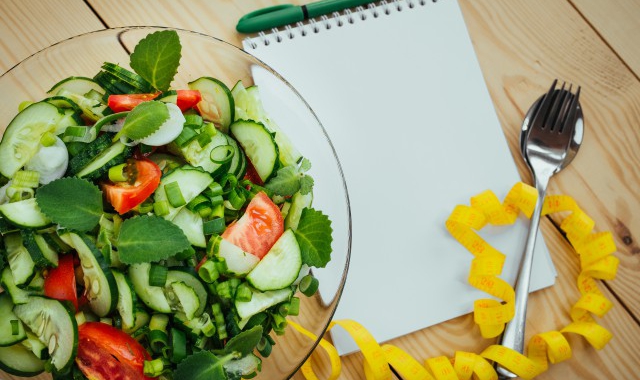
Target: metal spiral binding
[(337, 19)]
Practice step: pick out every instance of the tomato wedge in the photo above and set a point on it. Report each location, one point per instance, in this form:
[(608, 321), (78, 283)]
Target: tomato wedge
[(124, 196), (258, 228), (60, 282), (127, 102), (104, 353), (188, 99)]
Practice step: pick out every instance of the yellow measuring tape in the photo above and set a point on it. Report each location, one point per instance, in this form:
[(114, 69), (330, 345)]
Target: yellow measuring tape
[(595, 251)]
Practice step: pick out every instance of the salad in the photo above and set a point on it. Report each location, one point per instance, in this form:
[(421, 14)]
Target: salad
[(151, 232)]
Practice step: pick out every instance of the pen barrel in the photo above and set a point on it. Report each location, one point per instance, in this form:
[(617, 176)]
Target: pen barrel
[(327, 7)]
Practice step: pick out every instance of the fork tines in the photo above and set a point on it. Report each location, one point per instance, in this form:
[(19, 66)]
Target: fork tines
[(555, 109)]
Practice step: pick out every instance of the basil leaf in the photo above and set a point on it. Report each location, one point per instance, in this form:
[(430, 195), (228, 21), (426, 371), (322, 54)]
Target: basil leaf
[(314, 237), (144, 119), (149, 239), (71, 202), (156, 58)]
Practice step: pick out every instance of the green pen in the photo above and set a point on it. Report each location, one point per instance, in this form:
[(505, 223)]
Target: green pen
[(285, 14)]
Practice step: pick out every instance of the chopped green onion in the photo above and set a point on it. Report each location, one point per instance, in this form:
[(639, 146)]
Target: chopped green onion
[(24, 104), (214, 226), (208, 272), (294, 306), (279, 323), (243, 292), (178, 345), (226, 151), (309, 285), (154, 368), (236, 200), (117, 173), (76, 133), (186, 136), (174, 195), (15, 193), (199, 199), (218, 318), (203, 139), (158, 275), (193, 120), (213, 189), (264, 347), (161, 208), (224, 290), (26, 178), (48, 139), (206, 325), (145, 207), (218, 211), (216, 200), (204, 210), (210, 129), (15, 327)]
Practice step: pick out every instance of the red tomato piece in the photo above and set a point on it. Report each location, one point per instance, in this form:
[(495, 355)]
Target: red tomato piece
[(252, 175), (60, 282), (188, 99), (126, 102), (106, 353), (124, 196), (258, 228)]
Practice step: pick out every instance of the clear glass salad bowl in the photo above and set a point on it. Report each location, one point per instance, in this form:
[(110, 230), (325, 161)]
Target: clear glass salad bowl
[(204, 55)]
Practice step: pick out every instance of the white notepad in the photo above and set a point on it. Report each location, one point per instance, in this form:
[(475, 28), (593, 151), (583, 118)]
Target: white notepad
[(400, 93)]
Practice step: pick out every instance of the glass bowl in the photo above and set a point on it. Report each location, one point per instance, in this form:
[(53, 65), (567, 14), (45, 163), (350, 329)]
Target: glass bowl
[(204, 55)]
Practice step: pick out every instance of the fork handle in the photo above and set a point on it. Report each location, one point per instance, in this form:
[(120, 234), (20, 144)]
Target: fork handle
[(513, 336)]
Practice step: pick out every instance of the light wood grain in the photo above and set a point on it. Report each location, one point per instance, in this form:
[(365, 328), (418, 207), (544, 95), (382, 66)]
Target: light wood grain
[(521, 46)]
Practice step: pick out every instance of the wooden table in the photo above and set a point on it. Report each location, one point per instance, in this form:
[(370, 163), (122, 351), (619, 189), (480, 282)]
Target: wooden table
[(521, 45)]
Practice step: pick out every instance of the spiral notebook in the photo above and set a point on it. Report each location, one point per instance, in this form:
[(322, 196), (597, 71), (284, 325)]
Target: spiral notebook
[(398, 88)]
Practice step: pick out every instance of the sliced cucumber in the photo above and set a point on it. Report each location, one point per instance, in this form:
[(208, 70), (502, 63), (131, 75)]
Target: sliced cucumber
[(170, 96), (261, 301), (126, 299), (41, 252), (152, 296), (259, 146), (63, 102), (243, 367), (114, 155), (18, 360), (22, 266), (21, 139), (217, 104), (191, 224), (192, 181), (7, 336), (199, 156), (101, 286), (238, 164), (18, 296), (25, 213), (76, 85), (299, 202), (238, 262), (34, 344), (186, 297), (279, 268), (189, 278), (55, 325)]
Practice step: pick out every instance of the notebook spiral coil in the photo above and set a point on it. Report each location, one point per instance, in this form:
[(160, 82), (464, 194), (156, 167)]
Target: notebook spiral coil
[(336, 19)]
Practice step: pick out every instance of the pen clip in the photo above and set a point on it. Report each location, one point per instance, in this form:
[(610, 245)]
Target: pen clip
[(263, 11)]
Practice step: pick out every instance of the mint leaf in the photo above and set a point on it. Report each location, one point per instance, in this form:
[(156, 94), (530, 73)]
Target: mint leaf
[(71, 202), (148, 239), (291, 179), (314, 237), (143, 120), (306, 185), (156, 58), (202, 366), (244, 343)]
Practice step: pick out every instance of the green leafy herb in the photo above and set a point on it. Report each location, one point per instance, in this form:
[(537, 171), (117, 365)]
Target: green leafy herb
[(71, 202), (143, 120), (156, 58), (148, 239), (244, 343), (202, 365), (290, 179), (314, 237)]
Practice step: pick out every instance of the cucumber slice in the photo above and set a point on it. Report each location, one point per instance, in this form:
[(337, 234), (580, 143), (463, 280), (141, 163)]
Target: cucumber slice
[(261, 301), (114, 155), (21, 139), (192, 181), (126, 300), (41, 252), (259, 146), (189, 278), (199, 156), (152, 296), (243, 367), (18, 360), (76, 85), (18, 296), (186, 296), (239, 263), (191, 224), (7, 337), (279, 268), (101, 287), (34, 344), (63, 102), (55, 325), (170, 96), (25, 213), (217, 104), (299, 202), (22, 265)]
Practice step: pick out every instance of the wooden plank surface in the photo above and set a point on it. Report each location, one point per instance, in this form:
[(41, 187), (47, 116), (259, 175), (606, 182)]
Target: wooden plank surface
[(521, 46)]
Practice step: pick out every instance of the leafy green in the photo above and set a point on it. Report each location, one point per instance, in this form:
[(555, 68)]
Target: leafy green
[(244, 342), (71, 202), (291, 179), (314, 237), (143, 120), (202, 365), (156, 58), (148, 239)]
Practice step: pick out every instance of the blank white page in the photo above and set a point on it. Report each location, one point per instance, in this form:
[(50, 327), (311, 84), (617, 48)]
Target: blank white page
[(403, 100)]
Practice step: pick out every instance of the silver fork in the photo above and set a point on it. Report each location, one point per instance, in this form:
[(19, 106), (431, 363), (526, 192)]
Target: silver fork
[(546, 148)]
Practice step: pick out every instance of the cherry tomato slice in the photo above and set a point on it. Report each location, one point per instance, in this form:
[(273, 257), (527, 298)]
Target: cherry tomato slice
[(124, 196), (188, 99), (60, 282), (126, 102)]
